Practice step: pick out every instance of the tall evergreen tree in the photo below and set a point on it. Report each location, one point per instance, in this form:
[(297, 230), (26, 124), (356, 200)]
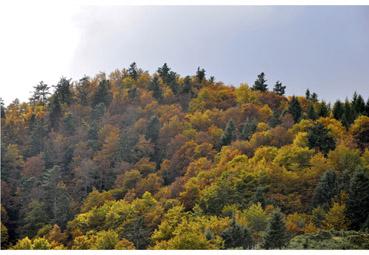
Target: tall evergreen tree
[(260, 83), (229, 134), (133, 71), (357, 205), (40, 94), (307, 94), (55, 111), (311, 114), (348, 115), (320, 138), (276, 234), (325, 190), (323, 109), (248, 129), (237, 236), (63, 91), (153, 129), (338, 110), (154, 86), (103, 94), (358, 104), (294, 108), (200, 74), (279, 89)]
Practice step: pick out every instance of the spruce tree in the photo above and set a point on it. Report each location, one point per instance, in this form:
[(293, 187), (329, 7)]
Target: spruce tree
[(307, 94), (236, 236), (320, 138), (338, 110), (260, 83), (325, 190), (154, 86), (357, 205), (294, 109), (248, 129), (200, 74), (311, 114), (153, 129), (358, 104), (276, 234), (279, 89), (229, 134), (133, 71), (103, 94), (348, 115), (323, 110), (40, 94), (63, 91), (55, 111)]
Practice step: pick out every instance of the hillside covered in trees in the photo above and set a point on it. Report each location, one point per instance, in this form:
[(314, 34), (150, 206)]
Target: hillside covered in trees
[(134, 160)]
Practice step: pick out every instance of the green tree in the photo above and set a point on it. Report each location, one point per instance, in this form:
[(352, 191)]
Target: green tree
[(294, 108), (276, 234), (325, 190), (279, 89), (103, 94), (200, 74), (320, 138), (338, 110), (323, 109), (357, 205), (153, 129), (229, 134), (63, 91), (40, 94), (34, 219), (311, 114), (236, 236), (154, 86), (358, 104), (260, 83), (133, 71), (248, 129)]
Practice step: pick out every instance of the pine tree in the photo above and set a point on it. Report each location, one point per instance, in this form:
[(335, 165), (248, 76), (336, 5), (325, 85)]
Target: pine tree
[(325, 190), (236, 236), (2, 108), (200, 74), (323, 110), (153, 129), (229, 134), (338, 110), (366, 108), (103, 94), (348, 115), (55, 111), (133, 71), (357, 204), (63, 91), (358, 104), (320, 138), (294, 109), (311, 114), (248, 129), (260, 83), (154, 86), (40, 94), (307, 94), (276, 233), (279, 89)]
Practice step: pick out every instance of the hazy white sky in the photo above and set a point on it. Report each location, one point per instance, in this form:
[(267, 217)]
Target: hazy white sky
[(323, 48)]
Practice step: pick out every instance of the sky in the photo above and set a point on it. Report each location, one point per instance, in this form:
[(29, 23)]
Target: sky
[(323, 48)]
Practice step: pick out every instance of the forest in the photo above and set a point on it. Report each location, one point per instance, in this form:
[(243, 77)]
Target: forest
[(139, 160)]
